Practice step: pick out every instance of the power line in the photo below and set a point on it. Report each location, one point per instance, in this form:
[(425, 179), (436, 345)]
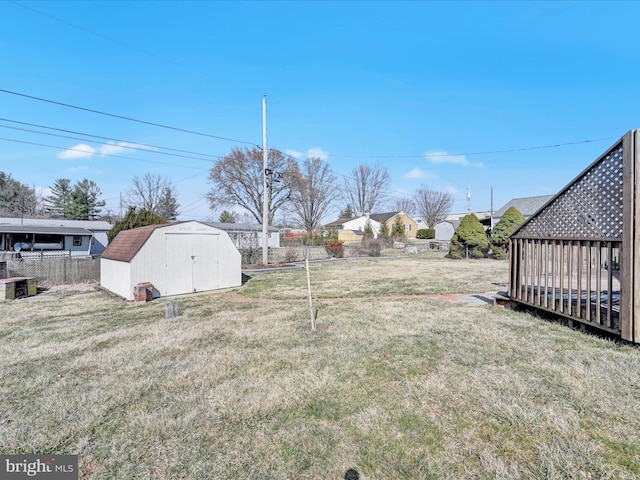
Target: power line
[(110, 138), (122, 117), (489, 152), (101, 154), (112, 144), (100, 35)]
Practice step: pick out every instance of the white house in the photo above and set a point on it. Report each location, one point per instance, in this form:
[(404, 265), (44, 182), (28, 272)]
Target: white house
[(350, 229), (248, 235), (176, 258)]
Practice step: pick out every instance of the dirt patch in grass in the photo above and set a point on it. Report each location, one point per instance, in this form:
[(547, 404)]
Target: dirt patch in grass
[(62, 291)]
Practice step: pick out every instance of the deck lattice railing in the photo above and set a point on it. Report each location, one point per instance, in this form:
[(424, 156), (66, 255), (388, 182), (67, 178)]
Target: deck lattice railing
[(578, 256)]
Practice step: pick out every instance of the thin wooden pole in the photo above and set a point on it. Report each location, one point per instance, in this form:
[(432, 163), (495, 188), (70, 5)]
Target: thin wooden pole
[(313, 316)]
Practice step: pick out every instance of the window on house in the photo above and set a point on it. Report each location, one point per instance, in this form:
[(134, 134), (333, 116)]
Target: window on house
[(77, 241), (407, 228)]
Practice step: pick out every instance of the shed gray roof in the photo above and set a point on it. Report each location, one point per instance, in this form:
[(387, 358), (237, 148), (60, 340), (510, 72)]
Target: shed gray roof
[(92, 225), (44, 230), (527, 206)]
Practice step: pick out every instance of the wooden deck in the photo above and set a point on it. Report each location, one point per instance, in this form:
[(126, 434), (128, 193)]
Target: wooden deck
[(579, 255)]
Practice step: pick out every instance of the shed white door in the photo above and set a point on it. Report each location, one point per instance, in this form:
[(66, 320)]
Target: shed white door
[(192, 262)]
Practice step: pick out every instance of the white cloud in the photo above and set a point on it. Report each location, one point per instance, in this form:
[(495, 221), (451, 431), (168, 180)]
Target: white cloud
[(79, 151), (113, 148), (438, 157), (317, 152), (418, 173), (293, 153)]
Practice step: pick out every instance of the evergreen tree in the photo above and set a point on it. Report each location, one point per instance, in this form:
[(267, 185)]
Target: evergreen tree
[(16, 199), (84, 201), (397, 229), (135, 218), (508, 224), (60, 199), (469, 235), (368, 230), (500, 234), (383, 234), (168, 204), (227, 217), (347, 212)]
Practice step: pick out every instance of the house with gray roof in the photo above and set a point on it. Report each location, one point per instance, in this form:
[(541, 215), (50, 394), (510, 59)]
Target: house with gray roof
[(248, 235), (527, 206), (52, 236)]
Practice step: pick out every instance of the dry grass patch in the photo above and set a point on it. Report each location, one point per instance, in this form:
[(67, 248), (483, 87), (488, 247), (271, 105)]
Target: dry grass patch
[(237, 387)]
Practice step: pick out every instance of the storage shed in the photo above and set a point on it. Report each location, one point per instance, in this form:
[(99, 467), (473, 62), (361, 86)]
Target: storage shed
[(176, 258)]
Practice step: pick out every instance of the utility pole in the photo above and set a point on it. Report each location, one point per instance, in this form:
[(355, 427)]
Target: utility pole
[(265, 187), (469, 197), (491, 221)]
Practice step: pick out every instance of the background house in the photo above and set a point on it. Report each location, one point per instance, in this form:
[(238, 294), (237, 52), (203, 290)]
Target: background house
[(248, 235), (176, 258), (410, 225), (350, 230), (527, 206), (54, 236)]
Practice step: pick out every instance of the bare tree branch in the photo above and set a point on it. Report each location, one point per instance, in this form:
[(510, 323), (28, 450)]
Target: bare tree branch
[(365, 188), (405, 205), (155, 194), (432, 205), (314, 193), (237, 179)]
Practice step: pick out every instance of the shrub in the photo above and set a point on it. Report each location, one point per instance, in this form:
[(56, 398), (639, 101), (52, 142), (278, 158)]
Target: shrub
[(135, 218), (372, 248), (368, 230), (469, 234), (383, 233), (499, 253), (426, 233), (335, 249), (291, 255), (508, 224), (454, 251), (397, 229)]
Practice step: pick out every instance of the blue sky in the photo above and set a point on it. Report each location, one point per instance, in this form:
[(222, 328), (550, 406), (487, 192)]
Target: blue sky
[(441, 93)]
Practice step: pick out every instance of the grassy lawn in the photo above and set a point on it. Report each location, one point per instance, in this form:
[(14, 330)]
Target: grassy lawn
[(399, 383)]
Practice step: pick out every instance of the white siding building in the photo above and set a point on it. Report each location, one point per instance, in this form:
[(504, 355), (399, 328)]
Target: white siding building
[(176, 258), (54, 236)]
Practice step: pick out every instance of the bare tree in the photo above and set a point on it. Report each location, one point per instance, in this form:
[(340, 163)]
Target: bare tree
[(432, 205), (154, 193), (405, 205), (365, 187), (313, 194), (237, 179)]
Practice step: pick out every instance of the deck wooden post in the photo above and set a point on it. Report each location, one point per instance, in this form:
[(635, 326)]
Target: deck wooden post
[(629, 306)]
